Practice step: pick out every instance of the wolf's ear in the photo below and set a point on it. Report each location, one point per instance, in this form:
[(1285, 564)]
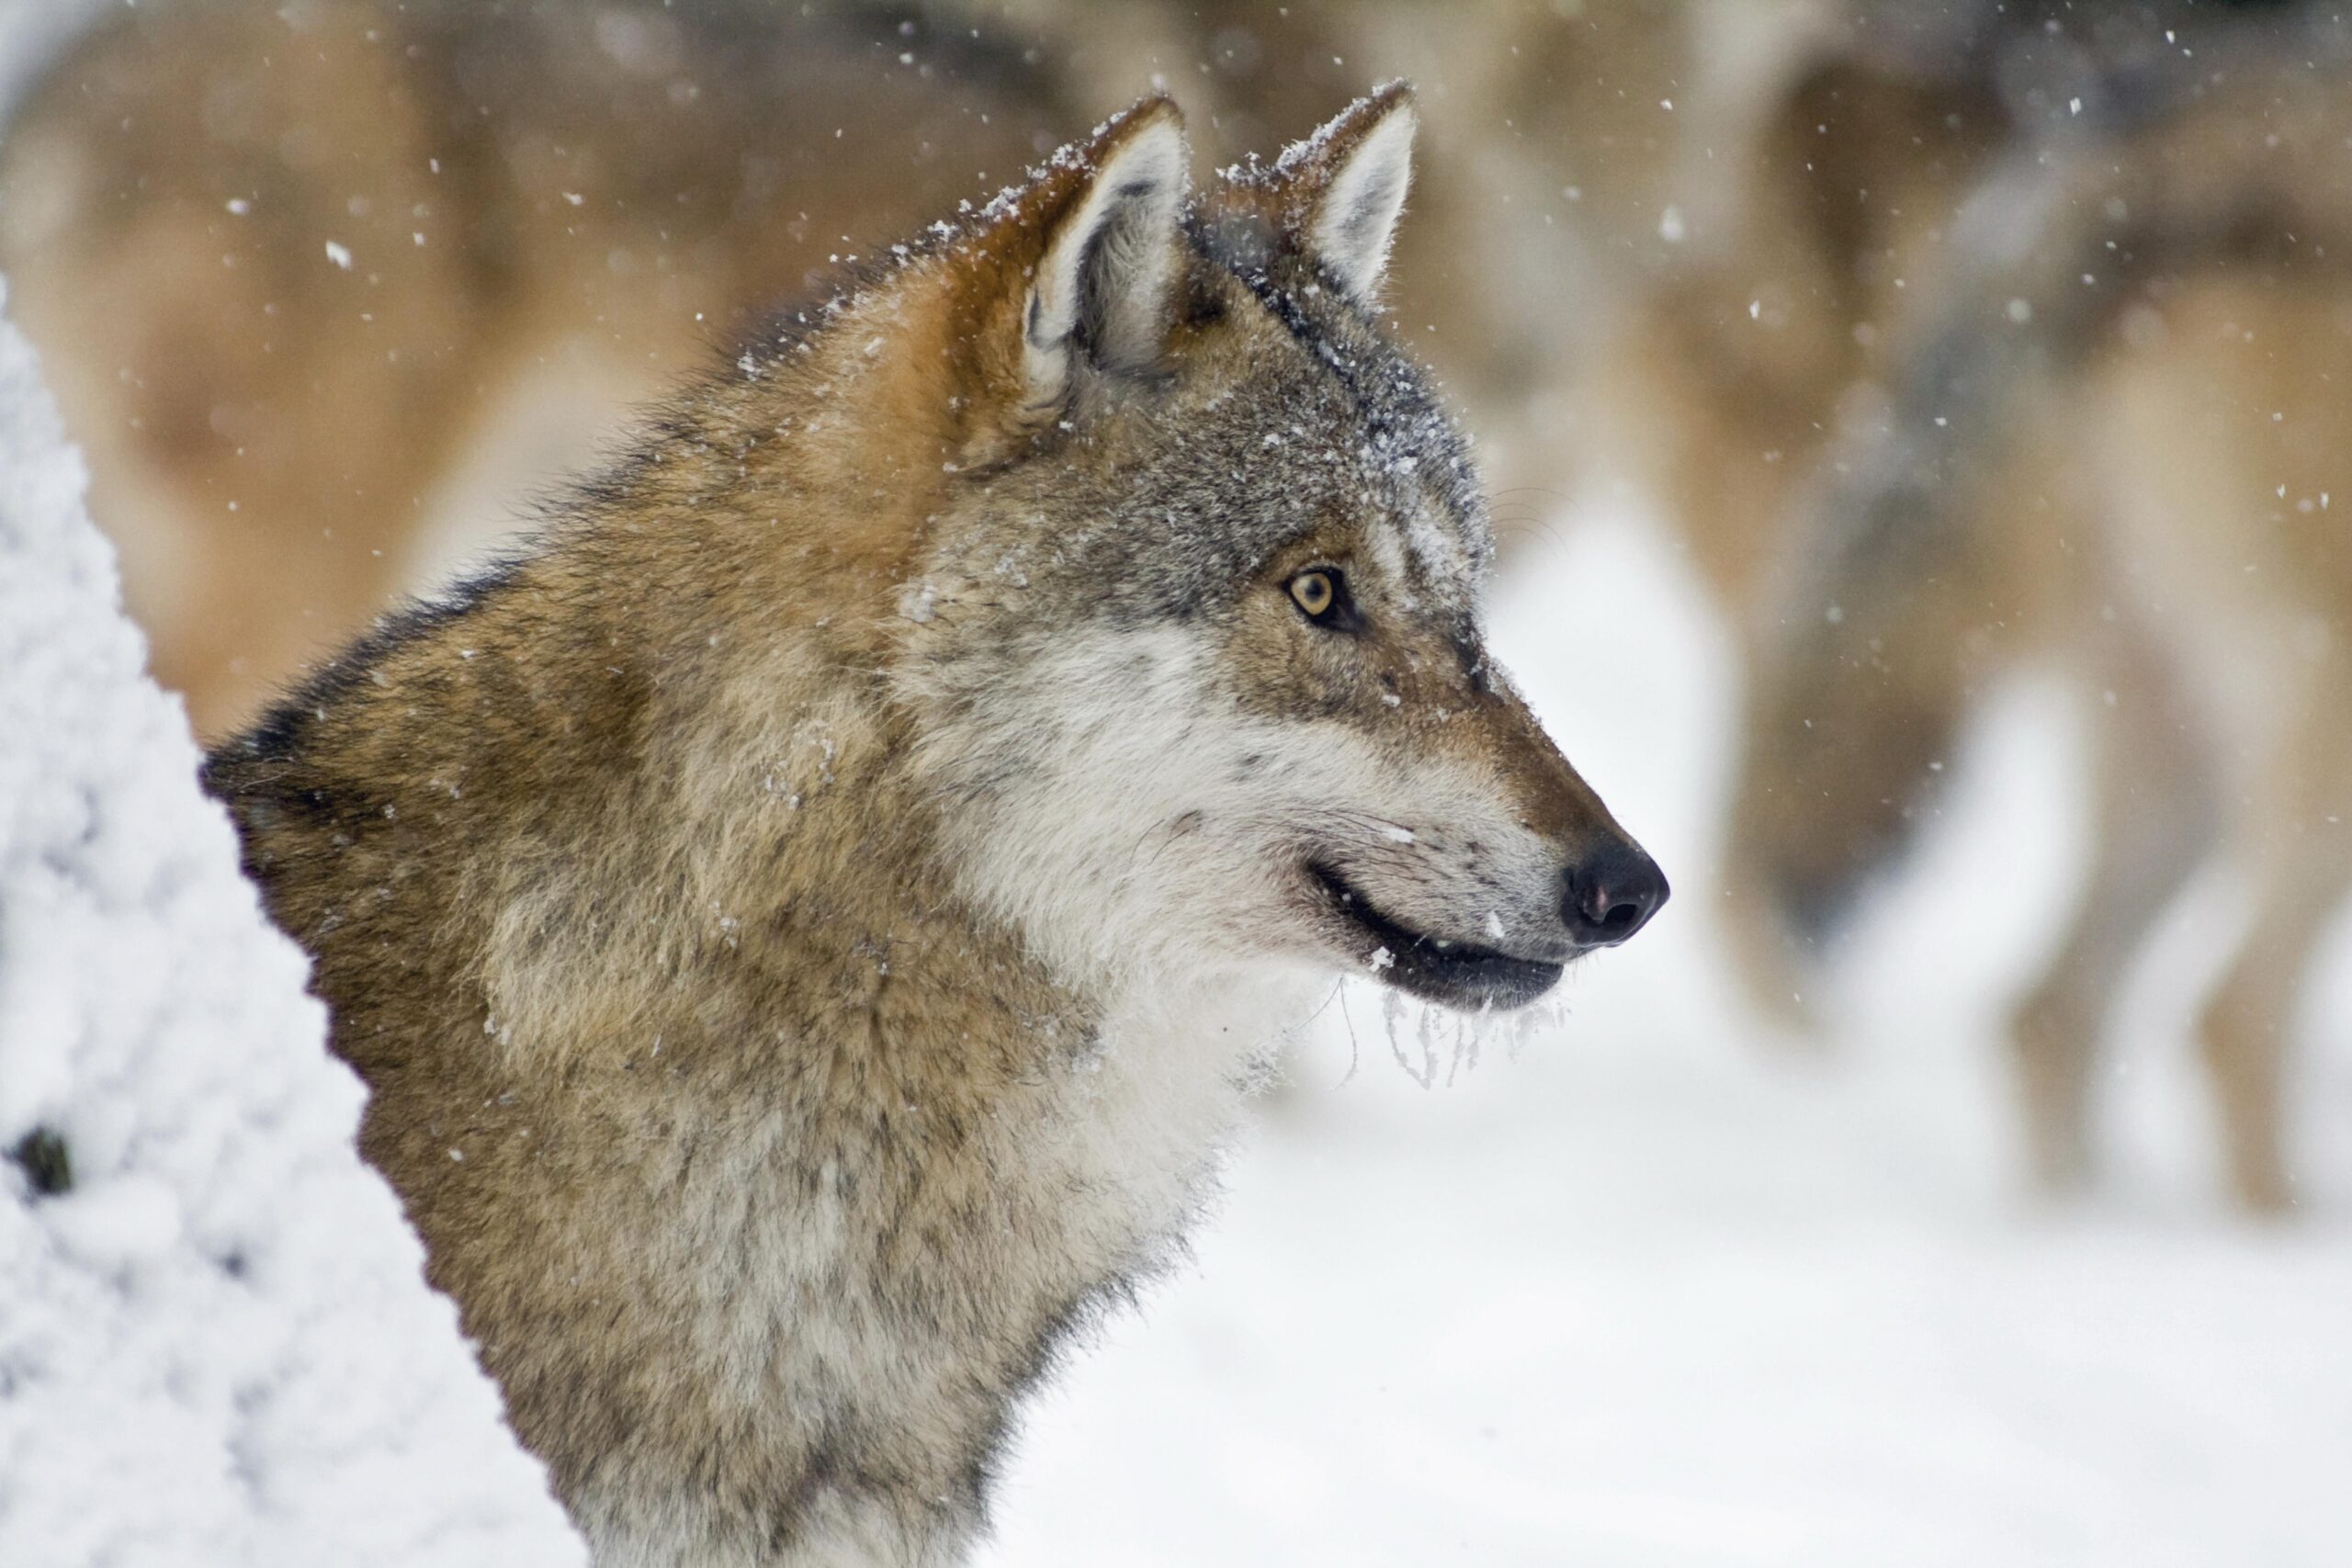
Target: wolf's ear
[(1101, 287), (1347, 184)]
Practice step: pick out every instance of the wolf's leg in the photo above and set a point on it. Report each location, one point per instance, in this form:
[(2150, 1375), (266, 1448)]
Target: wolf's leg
[(2155, 821), (2306, 867)]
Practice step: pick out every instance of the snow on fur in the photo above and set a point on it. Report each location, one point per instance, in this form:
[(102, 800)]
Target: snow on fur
[(216, 1342)]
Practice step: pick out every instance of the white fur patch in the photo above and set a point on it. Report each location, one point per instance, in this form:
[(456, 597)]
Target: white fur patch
[(1137, 825), (1109, 262), (1355, 220)]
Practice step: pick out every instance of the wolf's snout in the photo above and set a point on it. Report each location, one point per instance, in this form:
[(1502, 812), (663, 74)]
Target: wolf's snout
[(1611, 895)]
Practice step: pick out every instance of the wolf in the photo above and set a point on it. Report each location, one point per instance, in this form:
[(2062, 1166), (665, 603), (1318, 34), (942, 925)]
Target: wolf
[(808, 924), (2116, 452)]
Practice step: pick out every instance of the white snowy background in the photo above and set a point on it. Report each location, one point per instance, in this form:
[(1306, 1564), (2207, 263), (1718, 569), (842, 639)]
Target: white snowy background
[(1665, 1288), (1661, 1287)]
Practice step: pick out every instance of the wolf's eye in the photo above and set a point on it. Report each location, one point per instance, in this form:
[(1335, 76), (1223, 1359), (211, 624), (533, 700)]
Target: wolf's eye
[(1322, 594)]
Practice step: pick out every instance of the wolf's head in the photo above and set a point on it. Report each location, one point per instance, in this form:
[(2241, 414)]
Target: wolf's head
[(1191, 626)]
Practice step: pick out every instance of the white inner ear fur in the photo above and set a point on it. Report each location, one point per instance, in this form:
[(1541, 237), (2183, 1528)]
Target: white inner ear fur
[(1356, 218), (1107, 267)]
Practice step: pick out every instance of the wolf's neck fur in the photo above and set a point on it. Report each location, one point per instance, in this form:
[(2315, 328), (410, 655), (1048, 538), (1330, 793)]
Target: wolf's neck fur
[(764, 1168)]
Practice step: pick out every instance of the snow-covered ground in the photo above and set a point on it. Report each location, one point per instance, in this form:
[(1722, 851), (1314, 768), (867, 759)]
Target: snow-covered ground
[(1662, 1287)]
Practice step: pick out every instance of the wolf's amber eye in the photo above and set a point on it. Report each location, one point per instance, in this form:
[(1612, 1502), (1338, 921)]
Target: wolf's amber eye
[(1316, 593)]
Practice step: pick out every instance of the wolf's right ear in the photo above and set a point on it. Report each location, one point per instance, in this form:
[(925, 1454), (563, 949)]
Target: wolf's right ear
[(1344, 187), (1100, 287)]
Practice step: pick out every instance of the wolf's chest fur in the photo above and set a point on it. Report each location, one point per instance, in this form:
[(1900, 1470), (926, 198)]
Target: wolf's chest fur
[(843, 1275)]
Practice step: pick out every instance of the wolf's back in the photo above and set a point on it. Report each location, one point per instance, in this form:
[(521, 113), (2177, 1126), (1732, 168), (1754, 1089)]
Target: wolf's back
[(2206, 163)]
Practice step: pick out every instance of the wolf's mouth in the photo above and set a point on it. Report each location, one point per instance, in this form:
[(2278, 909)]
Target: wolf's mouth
[(1456, 973)]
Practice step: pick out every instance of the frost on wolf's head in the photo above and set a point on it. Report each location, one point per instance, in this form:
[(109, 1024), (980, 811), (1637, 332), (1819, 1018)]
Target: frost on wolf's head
[(216, 1342), (1204, 681)]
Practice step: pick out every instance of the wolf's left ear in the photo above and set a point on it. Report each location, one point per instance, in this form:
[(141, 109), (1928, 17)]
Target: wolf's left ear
[(1347, 184), (1101, 287)]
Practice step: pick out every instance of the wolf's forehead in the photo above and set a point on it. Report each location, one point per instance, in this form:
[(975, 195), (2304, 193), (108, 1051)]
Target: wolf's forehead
[(1397, 449)]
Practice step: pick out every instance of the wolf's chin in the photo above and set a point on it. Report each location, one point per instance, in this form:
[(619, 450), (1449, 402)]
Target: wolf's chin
[(1451, 974)]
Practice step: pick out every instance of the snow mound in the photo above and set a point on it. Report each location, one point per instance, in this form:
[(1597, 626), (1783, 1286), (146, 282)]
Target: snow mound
[(216, 1342)]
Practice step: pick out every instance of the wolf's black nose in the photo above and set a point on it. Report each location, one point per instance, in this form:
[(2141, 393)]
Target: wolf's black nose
[(1612, 895)]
